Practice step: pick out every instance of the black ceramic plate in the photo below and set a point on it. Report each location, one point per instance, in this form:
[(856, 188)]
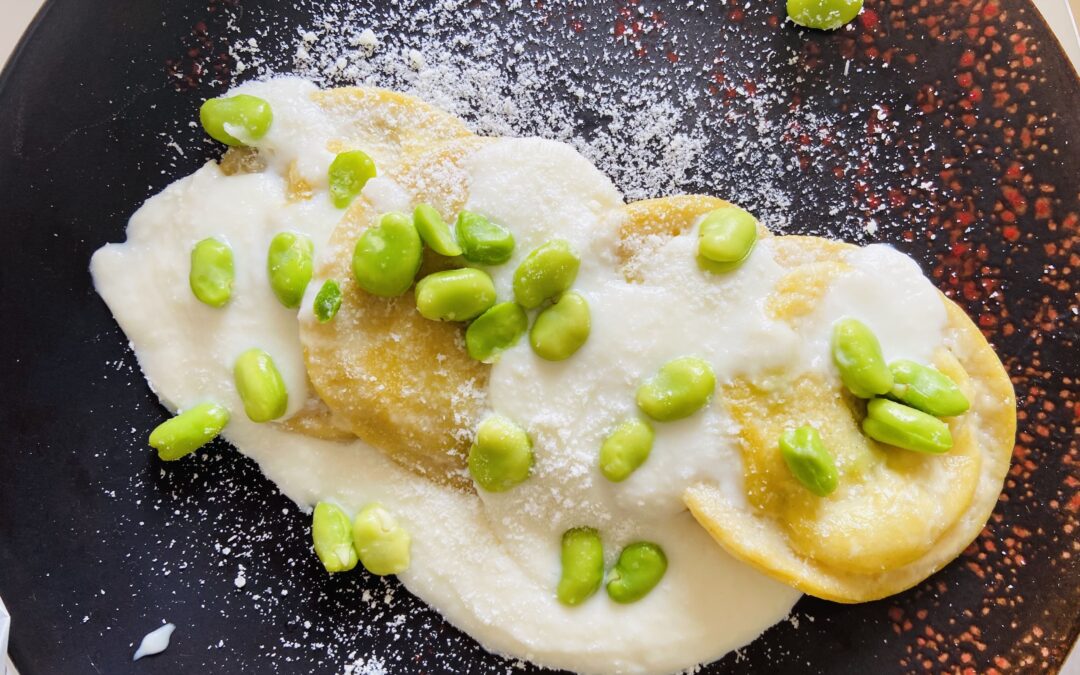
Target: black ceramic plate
[(948, 127)]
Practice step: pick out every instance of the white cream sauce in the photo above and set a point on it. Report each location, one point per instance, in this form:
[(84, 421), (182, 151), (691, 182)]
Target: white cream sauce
[(148, 279), (154, 642), (887, 291), (490, 563)]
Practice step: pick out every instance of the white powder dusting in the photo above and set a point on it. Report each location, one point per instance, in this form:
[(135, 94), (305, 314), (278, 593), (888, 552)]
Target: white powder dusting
[(644, 106), (362, 666)]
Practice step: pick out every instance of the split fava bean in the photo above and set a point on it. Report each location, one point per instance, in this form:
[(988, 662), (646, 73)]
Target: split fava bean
[(561, 329), (434, 231), (679, 389), (495, 331), (380, 541), (482, 241), (926, 389), (502, 455), (348, 174), (582, 565), (212, 272), (387, 256), (545, 273), (236, 120), (327, 301), (905, 427), (188, 431), (260, 386), (455, 295), (857, 355), (639, 569), (625, 449), (808, 459), (289, 266), (823, 14), (726, 238), (331, 534)]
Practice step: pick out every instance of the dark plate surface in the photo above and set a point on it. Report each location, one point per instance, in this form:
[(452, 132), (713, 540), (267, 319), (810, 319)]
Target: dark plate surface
[(949, 127)]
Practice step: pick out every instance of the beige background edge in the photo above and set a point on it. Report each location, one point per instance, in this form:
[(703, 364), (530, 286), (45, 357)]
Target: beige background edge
[(18, 14)]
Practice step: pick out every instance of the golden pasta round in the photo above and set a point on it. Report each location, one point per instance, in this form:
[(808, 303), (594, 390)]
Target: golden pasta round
[(401, 382), (394, 129), (898, 516)]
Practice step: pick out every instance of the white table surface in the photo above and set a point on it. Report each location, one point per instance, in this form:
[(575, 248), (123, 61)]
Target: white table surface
[(17, 15)]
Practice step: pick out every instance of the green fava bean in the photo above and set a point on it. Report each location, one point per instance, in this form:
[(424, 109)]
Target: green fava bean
[(714, 267), (823, 14), (327, 301), (495, 331), (288, 263), (260, 386), (387, 256), (382, 543), (857, 355), (188, 431), (455, 295), (348, 174), (434, 231), (582, 565), (482, 241), (560, 330), (502, 455), (236, 120), (809, 460), (545, 273), (639, 569), (332, 537), (897, 424), (679, 389), (726, 238), (926, 389), (212, 272), (625, 449)]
